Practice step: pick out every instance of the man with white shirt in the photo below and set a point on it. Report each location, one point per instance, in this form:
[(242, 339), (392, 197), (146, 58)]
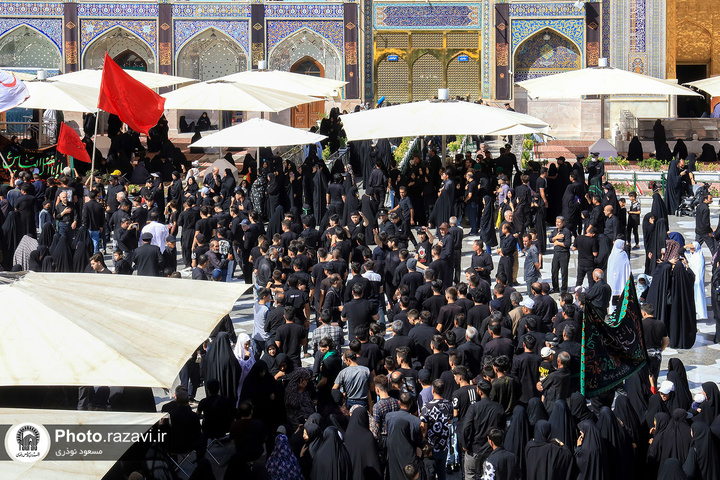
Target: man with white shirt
[(158, 230)]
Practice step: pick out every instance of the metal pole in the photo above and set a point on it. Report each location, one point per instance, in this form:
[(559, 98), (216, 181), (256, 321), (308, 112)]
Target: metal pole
[(602, 116), (40, 127), (92, 162), (442, 151), (635, 181)]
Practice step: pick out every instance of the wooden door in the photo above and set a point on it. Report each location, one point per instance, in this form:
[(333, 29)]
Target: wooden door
[(307, 115)]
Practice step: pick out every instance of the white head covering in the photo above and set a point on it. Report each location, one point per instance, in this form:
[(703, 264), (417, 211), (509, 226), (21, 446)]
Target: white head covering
[(618, 270), (696, 262), (240, 353)]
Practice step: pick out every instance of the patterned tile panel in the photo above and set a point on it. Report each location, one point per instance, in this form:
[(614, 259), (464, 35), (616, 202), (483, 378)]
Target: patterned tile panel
[(237, 30), (574, 29), (279, 30), (427, 16), (129, 9), (637, 26), (145, 29), (606, 29), (187, 9), (30, 9), (545, 10), (487, 26), (50, 27), (289, 10)]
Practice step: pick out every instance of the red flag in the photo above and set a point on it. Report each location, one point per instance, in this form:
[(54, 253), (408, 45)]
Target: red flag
[(69, 143), (133, 102)]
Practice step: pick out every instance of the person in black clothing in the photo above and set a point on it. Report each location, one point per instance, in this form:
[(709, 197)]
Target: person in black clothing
[(437, 363), (481, 261), (633, 221), (525, 369), (656, 340), (291, 337), (599, 294), (121, 265), (587, 248), (358, 312), (186, 221), (481, 416), (703, 230), (436, 301), (499, 345), (93, 217), (503, 463), (147, 258), (556, 386), (422, 333)]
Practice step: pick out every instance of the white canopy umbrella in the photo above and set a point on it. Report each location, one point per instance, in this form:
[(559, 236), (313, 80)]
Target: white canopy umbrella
[(113, 330), (258, 132), (709, 85), (91, 78), (432, 117), (602, 81), (228, 95), (54, 95), (76, 422), (288, 82)]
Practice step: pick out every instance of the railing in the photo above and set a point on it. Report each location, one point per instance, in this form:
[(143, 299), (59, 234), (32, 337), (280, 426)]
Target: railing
[(414, 145), (295, 155), (342, 154), (629, 122), (24, 130), (635, 176)]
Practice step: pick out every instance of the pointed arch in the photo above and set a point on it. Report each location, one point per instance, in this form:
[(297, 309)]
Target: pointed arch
[(114, 41), (427, 77), (210, 53), (546, 52), (463, 78), (17, 49), (306, 42), (392, 79)]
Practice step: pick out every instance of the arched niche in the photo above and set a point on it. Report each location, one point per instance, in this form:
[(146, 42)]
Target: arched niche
[(427, 77), (120, 44), (211, 54), (545, 53), (306, 43), (24, 46), (392, 79)]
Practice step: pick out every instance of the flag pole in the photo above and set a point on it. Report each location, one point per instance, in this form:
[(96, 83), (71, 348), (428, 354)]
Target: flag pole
[(92, 162)]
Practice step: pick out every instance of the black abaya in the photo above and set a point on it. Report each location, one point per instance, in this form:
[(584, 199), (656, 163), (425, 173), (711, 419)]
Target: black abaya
[(635, 150), (648, 231), (710, 408), (536, 411), (680, 149), (369, 207), (591, 457), (579, 409), (682, 324), (546, 459), (362, 447), (655, 406), (677, 374), (672, 440), (637, 387), (487, 222), (319, 192), (275, 223), (518, 435), (672, 470), (619, 442), (703, 461), (658, 208), (222, 365), (63, 255), (442, 211), (332, 460), (563, 424), (659, 293), (673, 188)]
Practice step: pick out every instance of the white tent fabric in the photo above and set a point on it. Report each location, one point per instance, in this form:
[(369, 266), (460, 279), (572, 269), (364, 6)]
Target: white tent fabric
[(86, 469), (438, 118), (710, 85), (225, 95), (54, 95), (92, 78), (113, 330), (258, 132), (221, 164), (599, 81), (288, 82), (604, 148)]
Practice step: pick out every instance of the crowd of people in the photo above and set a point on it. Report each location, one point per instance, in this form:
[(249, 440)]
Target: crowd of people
[(373, 353)]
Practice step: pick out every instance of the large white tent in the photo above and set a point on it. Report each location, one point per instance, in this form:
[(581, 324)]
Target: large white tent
[(91, 77), (432, 117), (258, 132), (288, 82), (54, 95), (599, 81), (710, 85), (115, 330), (228, 95), (84, 468)]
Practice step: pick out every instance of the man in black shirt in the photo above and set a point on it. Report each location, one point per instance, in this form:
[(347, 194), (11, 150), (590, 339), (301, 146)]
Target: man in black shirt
[(612, 227), (422, 333), (556, 386), (93, 217), (560, 237), (587, 248), (358, 312), (656, 340), (291, 337), (703, 230), (436, 302), (599, 294), (481, 261), (147, 258)]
